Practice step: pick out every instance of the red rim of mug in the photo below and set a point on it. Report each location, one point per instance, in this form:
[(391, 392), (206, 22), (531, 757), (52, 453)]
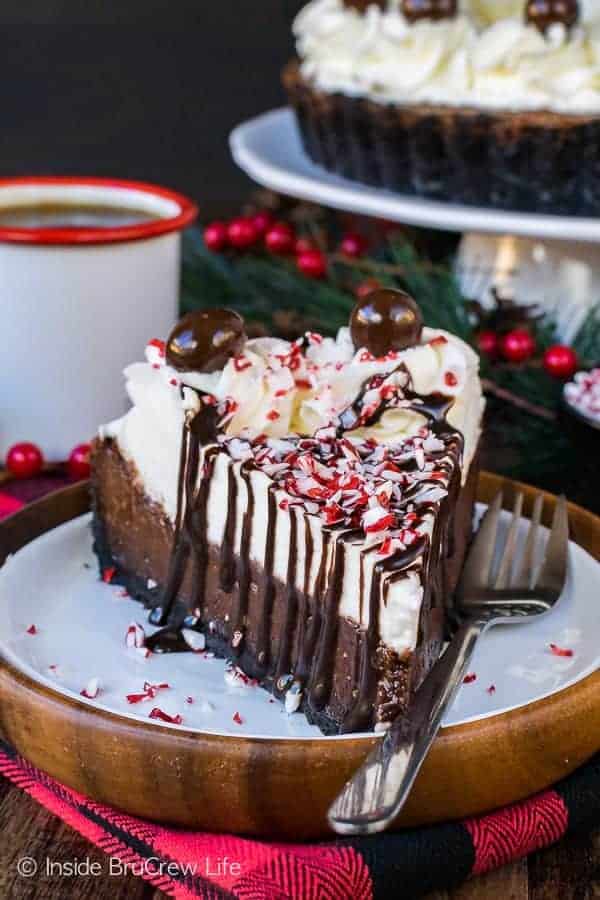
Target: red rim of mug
[(186, 213)]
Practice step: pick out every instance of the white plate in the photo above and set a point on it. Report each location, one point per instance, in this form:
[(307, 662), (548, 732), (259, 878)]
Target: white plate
[(53, 583), (268, 149)]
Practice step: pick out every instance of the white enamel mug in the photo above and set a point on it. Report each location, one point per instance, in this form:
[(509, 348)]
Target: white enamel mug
[(78, 304)]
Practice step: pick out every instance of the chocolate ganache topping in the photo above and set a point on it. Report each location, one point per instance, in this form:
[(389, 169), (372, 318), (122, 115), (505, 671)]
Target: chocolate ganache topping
[(386, 320), (414, 10), (546, 13), (204, 340)]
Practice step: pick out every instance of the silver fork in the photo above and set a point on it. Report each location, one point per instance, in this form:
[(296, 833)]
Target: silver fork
[(496, 587)]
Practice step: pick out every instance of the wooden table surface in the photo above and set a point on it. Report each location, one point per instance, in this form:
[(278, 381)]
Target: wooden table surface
[(568, 871)]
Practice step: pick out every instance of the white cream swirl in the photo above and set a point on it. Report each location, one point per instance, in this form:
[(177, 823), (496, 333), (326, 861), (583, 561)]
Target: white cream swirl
[(472, 60), (275, 389)]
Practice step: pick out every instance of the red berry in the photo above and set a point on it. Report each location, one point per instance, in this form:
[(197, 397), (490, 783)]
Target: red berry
[(312, 263), (24, 460), (215, 236), (560, 361), (303, 245), (242, 233), (366, 287), (487, 341), (353, 245), (280, 239), (79, 461), (517, 346), (262, 221)]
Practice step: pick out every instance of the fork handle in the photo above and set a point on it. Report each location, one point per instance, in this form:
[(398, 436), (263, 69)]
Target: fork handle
[(377, 791)]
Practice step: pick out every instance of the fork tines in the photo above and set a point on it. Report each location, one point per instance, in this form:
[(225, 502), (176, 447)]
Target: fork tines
[(498, 565)]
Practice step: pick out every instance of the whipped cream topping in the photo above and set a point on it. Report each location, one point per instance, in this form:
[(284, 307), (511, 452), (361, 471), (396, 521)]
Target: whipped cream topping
[(474, 59), (583, 393), (276, 388)]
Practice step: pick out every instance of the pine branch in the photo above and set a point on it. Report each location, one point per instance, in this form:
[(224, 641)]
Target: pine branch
[(490, 387), (587, 340)]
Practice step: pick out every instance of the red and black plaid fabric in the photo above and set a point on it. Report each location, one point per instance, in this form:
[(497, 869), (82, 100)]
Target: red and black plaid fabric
[(187, 864)]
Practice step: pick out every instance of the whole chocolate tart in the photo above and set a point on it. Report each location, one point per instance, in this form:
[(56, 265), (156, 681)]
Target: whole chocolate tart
[(520, 155), (320, 561)]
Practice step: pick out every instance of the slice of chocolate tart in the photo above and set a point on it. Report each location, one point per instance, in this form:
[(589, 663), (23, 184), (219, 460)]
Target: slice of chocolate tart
[(304, 507)]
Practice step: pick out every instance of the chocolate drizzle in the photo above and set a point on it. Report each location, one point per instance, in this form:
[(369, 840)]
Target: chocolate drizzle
[(199, 430), (312, 621), (284, 659), (244, 574), (228, 566), (322, 669), (263, 640), (303, 622)]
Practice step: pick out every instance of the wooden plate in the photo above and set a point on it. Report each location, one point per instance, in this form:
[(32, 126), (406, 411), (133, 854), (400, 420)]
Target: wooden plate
[(282, 788)]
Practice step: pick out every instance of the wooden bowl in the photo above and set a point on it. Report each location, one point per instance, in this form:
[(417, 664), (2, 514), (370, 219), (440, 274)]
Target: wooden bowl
[(282, 788)]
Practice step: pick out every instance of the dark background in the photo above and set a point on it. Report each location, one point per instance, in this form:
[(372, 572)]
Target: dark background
[(139, 90)]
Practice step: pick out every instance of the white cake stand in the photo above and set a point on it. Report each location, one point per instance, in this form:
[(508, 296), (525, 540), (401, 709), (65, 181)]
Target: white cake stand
[(550, 261)]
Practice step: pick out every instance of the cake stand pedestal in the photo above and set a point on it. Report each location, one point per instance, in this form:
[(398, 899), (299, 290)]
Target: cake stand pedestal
[(550, 261)]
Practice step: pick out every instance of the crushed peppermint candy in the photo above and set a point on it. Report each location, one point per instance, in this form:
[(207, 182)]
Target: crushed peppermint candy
[(293, 698), (158, 713), (156, 353), (149, 693), (92, 689), (241, 363), (136, 698), (153, 689), (32, 630), (564, 652), (237, 718), (195, 640), (135, 636), (469, 678), (583, 394), (491, 689), (385, 490), (108, 574), (236, 677)]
